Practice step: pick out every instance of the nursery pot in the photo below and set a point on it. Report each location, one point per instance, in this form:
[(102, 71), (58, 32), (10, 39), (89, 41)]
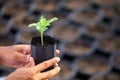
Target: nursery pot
[(44, 52)]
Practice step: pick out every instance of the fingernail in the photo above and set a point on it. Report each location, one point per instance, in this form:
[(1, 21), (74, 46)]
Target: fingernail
[(58, 51), (58, 68), (57, 58)]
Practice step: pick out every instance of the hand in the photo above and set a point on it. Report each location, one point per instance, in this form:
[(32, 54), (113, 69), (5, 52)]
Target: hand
[(33, 73), (15, 56)]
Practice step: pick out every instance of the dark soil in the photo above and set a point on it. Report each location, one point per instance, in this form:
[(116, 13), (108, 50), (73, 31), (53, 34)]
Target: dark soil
[(47, 41)]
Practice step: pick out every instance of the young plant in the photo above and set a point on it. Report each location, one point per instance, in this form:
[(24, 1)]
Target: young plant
[(42, 25)]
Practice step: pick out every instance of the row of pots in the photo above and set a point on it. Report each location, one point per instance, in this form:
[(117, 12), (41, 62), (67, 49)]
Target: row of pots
[(23, 19), (84, 15), (93, 67)]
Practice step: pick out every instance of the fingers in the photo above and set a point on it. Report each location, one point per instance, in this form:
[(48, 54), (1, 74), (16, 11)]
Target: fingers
[(22, 57), (24, 64), (56, 65), (17, 47), (42, 66), (30, 63), (57, 52), (48, 74), (25, 49)]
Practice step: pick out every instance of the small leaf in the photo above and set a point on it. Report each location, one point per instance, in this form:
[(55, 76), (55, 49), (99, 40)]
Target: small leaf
[(38, 28), (43, 21), (32, 25), (53, 19)]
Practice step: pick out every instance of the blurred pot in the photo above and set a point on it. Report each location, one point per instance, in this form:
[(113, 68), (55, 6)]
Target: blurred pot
[(115, 59), (108, 76), (117, 24), (109, 12), (78, 48), (6, 40), (98, 30), (22, 20), (13, 8), (85, 16), (76, 4), (109, 44), (93, 64), (24, 36), (45, 5), (105, 2), (4, 28), (65, 32)]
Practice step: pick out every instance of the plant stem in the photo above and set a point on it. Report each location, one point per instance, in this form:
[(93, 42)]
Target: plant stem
[(42, 38)]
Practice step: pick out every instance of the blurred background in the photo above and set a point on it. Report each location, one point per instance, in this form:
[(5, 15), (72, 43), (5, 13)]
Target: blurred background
[(87, 34)]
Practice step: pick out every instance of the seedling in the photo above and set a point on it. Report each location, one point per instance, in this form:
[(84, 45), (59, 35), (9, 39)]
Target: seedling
[(42, 25)]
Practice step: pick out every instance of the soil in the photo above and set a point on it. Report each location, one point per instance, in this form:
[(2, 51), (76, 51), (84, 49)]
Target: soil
[(45, 5), (3, 27), (7, 40), (86, 16), (77, 48), (65, 32), (105, 2), (12, 9), (110, 44), (47, 41), (116, 61), (117, 24), (97, 30), (22, 20), (75, 4), (110, 76), (93, 65), (109, 12)]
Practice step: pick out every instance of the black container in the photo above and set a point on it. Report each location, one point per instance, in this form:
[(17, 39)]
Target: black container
[(41, 53)]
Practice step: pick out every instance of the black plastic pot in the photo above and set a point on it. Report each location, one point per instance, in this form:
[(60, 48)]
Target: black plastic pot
[(41, 53)]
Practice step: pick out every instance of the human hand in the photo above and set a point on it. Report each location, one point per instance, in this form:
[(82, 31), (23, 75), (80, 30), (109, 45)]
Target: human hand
[(34, 72), (16, 56)]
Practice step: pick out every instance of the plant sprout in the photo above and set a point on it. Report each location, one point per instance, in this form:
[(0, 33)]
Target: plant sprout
[(42, 25)]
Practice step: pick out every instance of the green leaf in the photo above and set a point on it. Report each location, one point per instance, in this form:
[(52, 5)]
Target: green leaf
[(43, 21), (53, 19), (32, 25)]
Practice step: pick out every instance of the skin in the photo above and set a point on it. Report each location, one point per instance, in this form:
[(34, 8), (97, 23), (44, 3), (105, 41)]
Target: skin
[(15, 56), (19, 56), (34, 73)]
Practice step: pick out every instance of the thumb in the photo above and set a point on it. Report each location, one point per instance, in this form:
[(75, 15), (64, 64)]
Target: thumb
[(23, 58), (25, 49)]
